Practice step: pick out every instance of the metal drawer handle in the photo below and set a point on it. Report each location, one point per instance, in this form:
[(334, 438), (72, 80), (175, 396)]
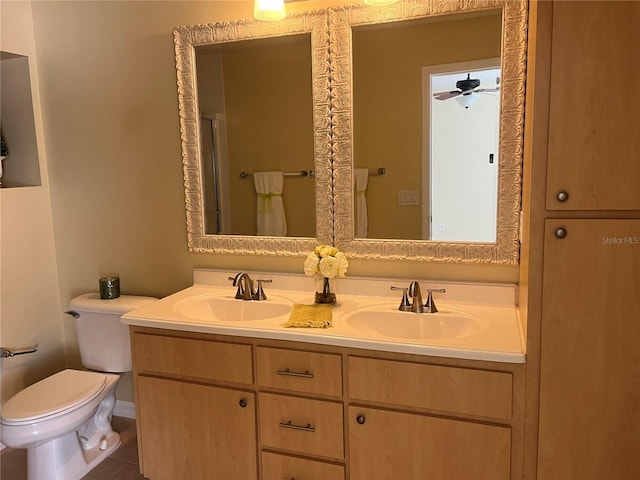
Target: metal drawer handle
[(287, 372), (293, 426)]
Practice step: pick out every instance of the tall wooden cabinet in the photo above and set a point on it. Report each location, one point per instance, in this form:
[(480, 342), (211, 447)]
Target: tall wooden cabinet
[(590, 364), (594, 125), (581, 259)]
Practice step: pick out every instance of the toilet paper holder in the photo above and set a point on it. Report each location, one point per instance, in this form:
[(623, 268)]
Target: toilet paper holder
[(7, 353)]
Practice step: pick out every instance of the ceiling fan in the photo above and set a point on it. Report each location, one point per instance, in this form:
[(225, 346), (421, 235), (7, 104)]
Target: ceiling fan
[(468, 86)]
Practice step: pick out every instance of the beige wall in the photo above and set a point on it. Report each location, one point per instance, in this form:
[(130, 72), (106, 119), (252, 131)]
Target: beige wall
[(30, 309), (109, 107), (269, 114)]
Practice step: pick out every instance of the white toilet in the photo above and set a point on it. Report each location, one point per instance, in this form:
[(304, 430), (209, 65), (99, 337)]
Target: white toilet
[(64, 420)]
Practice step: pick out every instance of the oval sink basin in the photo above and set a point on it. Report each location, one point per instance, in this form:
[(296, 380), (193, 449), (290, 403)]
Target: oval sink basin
[(229, 309), (415, 326)]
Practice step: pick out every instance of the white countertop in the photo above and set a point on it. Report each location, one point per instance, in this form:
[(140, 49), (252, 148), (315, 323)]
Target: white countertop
[(500, 339)]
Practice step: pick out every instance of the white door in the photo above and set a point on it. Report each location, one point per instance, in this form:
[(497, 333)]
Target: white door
[(464, 160)]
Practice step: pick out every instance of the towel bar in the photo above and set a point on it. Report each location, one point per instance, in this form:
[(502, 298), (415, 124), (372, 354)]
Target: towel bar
[(301, 173)]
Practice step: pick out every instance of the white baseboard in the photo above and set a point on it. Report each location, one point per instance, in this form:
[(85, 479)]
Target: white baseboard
[(125, 409)]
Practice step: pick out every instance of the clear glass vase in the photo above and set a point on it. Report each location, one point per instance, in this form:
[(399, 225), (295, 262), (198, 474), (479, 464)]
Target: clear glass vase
[(326, 296)]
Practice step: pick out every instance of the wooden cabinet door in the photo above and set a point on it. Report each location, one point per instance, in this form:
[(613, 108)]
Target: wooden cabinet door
[(192, 431), (590, 351), (594, 145), (391, 445)]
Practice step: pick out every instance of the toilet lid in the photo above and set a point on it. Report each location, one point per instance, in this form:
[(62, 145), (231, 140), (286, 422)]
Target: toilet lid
[(62, 391)]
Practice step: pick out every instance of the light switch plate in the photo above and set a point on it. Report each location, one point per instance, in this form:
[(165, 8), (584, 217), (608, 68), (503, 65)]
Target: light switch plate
[(408, 197)]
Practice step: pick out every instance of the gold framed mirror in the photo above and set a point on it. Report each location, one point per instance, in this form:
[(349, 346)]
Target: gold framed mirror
[(344, 23), (233, 36)]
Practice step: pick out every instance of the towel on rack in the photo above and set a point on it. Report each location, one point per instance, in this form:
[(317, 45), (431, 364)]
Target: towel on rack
[(270, 217), (360, 181)]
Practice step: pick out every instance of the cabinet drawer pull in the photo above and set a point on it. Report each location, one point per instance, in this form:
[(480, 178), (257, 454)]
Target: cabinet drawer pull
[(242, 403), (287, 372), (307, 428), (561, 232), (562, 196), (361, 419)]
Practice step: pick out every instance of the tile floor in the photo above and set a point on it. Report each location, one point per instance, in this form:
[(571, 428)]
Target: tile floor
[(121, 464)]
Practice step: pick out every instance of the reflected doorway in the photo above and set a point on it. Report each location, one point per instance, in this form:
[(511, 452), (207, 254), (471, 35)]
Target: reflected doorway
[(217, 207), (460, 153)]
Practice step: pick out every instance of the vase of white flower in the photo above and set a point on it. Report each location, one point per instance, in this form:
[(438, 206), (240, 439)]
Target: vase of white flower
[(327, 262), (326, 296)]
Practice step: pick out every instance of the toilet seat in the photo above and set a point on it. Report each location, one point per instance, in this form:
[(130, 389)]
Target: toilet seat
[(52, 397)]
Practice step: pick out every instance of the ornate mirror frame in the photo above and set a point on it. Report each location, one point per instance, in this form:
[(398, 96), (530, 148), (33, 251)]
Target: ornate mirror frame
[(514, 33), (185, 40)]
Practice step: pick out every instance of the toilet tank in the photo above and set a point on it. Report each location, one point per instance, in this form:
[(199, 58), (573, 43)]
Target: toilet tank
[(102, 338)]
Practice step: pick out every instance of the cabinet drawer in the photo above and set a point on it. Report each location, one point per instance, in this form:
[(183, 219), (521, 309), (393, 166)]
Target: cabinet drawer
[(188, 357), (301, 371), (279, 467), (447, 389), (302, 425)]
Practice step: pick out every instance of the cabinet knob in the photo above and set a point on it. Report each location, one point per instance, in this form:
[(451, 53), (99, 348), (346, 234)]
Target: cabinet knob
[(242, 403), (360, 419), (561, 232), (562, 196)]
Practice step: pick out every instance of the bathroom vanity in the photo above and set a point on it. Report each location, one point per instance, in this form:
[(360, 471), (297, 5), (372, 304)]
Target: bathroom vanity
[(265, 401)]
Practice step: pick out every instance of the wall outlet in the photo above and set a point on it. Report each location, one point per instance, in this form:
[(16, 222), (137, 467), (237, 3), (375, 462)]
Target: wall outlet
[(408, 197)]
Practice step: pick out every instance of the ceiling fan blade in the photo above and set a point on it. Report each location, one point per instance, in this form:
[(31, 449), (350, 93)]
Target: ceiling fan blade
[(446, 95), (488, 89)]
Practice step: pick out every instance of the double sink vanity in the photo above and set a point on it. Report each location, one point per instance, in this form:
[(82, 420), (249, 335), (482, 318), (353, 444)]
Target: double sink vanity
[(224, 389)]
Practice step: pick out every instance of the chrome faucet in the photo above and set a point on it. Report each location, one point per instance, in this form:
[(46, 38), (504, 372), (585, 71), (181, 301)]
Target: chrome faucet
[(416, 294), (245, 286), (416, 306)]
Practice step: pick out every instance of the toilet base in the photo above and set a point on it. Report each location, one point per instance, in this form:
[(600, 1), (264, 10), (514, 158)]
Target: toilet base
[(72, 455), (64, 459)]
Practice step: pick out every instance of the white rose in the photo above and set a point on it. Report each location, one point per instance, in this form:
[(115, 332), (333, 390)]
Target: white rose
[(326, 251), (343, 264), (311, 265), (328, 267)]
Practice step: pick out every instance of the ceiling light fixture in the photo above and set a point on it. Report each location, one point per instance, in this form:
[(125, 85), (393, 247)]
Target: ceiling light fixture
[(269, 10), (467, 100)]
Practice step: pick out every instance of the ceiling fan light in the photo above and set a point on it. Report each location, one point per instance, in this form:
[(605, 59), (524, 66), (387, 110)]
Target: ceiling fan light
[(380, 3), (269, 10), (468, 100)]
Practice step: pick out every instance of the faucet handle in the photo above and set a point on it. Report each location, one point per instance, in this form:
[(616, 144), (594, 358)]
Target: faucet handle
[(430, 305), (259, 293), (405, 305), (240, 290)]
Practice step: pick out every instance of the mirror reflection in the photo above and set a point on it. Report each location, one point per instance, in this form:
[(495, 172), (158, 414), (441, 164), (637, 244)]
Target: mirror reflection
[(437, 143), (255, 102)]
